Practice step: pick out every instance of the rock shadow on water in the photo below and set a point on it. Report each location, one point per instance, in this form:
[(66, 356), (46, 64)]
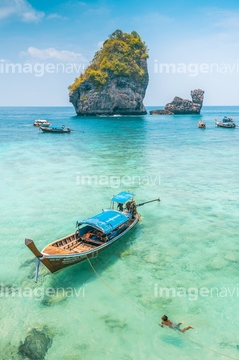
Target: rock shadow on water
[(36, 344)]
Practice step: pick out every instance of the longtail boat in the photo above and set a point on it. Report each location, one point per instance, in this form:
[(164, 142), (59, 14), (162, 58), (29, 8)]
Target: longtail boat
[(225, 123), (61, 129), (92, 235)]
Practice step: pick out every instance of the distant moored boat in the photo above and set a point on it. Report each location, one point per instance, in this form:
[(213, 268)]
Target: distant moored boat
[(55, 129), (225, 123), (40, 122)]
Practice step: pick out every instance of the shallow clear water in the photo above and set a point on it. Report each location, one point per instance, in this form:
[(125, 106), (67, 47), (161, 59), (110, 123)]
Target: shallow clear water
[(181, 260)]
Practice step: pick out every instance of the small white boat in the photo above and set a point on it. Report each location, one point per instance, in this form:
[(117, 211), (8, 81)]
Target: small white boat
[(40, 122)]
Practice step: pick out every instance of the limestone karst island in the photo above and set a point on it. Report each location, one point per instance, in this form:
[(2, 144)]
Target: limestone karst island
[(183, 106), (115, 82)]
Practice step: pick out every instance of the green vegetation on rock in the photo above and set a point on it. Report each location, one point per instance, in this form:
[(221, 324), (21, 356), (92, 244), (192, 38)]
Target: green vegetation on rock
[(121, 55)]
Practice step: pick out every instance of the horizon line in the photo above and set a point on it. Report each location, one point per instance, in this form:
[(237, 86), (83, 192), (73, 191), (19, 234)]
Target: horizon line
[(70, 106)]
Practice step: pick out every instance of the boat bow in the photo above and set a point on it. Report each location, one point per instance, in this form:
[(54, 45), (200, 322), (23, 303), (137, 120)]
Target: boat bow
[(31, 245)]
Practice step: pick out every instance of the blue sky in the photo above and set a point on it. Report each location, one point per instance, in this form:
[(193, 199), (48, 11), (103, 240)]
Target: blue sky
[(45, 44)]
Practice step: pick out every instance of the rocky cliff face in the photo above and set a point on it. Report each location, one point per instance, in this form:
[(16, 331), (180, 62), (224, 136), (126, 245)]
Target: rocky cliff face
[(116, 80), (182, 106), (120, 95)]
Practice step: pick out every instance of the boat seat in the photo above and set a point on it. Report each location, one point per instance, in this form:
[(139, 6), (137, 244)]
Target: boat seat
[(75, 245), (70, 244)]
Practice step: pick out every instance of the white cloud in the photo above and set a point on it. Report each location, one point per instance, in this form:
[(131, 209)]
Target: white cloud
[(6, 12), (87, 8), (152, 19), (221, 17), (52, 54), (56, 16), (20, 9), (227, 19)]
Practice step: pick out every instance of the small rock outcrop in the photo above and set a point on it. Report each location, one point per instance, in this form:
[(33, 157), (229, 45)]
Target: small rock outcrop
[(160, 112), (182, 106), (116, 80)]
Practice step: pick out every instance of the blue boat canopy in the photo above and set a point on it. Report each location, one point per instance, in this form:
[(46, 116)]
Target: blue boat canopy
[(122, 197), (106, 221)]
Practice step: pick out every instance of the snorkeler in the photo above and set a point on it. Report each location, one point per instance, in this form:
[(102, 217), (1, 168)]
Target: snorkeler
[(176, 326)]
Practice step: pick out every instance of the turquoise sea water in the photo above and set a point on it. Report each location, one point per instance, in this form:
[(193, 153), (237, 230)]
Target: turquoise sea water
[(181, 260)]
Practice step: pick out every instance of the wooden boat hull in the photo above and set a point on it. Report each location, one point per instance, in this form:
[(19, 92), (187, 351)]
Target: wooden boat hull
[(226, 125), (56, 262)]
